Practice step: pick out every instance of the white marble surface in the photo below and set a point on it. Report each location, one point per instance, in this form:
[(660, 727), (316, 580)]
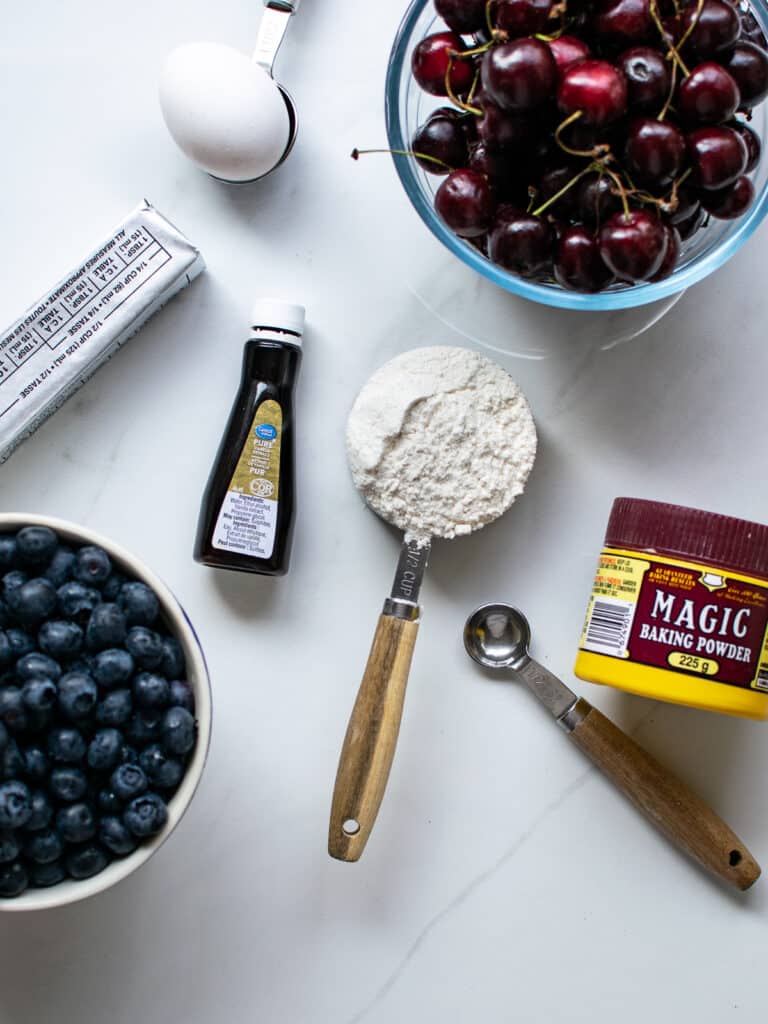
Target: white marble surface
[(505, 880)]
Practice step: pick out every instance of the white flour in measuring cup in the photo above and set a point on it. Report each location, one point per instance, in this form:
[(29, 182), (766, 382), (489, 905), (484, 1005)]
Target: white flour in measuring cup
[(440, 441)]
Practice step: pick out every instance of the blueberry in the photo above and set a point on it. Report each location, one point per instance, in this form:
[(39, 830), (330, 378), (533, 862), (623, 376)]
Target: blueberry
[(43, 847), (182, 696), (86, 862), (20, 641), (112, 667), (146, 815), (106, 627), (178, 730), (92, 566), (162, 771), (35, 666), (144, 728), (13, 714), (11, 584), (39, 694), (36, 544), (66, 745), (35, 764), (104, 750), (15, 804), (128, 781), (115, 836), (13, 879), (42, 812), (76, 823), (34, 600), (115, 709), (61, 567), (109, 803), (77, 601), (3, 737), (128, 754), (44, 875), (111, 588), (173, 663), (9, 845), (151, 691), (68, 784), (6, 651), (145, 645), (11, 761), (78, 695), (7, 550), (139, 603), (61, 640)]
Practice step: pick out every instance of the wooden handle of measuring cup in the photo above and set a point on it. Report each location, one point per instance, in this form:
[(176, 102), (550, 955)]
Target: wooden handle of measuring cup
[(369, 745), (675, 809)]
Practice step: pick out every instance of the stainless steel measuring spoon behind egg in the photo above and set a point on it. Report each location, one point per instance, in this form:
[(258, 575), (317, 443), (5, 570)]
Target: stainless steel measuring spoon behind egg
[(497, 636)]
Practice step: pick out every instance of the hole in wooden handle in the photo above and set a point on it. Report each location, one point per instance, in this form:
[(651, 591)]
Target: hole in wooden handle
[(735, 857), (352, 827)]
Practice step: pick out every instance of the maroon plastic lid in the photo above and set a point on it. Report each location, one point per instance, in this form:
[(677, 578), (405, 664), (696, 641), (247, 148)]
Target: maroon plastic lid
[(689, 533)]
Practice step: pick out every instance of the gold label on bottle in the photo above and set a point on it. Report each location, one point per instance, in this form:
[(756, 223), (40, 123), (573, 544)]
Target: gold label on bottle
[(247, 519)]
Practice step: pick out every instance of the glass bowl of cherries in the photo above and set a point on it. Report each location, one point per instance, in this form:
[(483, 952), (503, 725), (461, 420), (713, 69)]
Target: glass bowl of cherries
[(586, 154)]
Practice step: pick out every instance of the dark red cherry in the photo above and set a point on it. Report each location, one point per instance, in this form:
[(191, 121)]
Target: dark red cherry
[(623, 21), (714, 29), (501, 129), (519, 75), (748, 66), (520, 242), (578, 263), (687, 205), (463, 16), (464, 202), (554, 180), (633, 245), (648, 78), (730, 202), (718, 155), (501, 170), (655, 150), (567, 50), (752, 142), (709, 95), (671, 253), (596, 199), (597, 89), (444, 139), (431, 60), (523, 17), (688, 228)]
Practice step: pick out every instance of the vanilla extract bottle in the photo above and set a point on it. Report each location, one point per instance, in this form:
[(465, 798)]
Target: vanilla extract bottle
[(247, 514)]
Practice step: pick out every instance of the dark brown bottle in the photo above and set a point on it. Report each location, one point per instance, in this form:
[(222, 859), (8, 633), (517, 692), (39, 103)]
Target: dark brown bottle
[(246, 518)]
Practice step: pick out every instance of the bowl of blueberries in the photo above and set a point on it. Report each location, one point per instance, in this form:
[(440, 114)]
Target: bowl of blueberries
[(586, 154), (105, 713)]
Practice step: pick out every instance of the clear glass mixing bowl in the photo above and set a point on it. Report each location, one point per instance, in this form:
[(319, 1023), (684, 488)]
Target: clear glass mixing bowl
[(407, 106)]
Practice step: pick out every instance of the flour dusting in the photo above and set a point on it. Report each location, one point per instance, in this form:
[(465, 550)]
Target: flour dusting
[(440, 441)]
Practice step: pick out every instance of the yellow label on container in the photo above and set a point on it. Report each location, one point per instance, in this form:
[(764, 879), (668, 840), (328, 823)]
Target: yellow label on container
[(247, 519), (692, 663)]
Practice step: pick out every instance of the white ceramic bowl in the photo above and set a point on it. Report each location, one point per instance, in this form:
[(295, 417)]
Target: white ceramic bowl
[(174, 617)]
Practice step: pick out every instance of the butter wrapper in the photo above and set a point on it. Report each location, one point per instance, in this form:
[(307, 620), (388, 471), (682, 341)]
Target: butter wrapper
[(63, 338)]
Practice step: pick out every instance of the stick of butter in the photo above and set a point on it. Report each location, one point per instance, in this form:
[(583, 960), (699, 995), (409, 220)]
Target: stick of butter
[(65, 337)]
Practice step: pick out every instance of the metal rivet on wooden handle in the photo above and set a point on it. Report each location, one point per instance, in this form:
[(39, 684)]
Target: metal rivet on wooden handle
[(369, 745), (674, 808)]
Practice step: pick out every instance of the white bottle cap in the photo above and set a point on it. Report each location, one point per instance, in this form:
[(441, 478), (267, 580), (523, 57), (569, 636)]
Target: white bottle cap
[(277, 315)]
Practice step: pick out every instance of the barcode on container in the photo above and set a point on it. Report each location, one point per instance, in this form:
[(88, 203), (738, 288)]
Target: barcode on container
[(608, 627), (761, 683)]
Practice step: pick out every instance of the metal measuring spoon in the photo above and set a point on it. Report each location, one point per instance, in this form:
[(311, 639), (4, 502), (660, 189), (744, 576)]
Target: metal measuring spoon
[(224, 110), (497, 636)]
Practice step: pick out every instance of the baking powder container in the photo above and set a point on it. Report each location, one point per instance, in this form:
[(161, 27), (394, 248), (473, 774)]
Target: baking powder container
[(679, 608)]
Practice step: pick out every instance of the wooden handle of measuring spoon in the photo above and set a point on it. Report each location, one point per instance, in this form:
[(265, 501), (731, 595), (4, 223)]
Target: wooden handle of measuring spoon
[(675, 809), (369, 745)]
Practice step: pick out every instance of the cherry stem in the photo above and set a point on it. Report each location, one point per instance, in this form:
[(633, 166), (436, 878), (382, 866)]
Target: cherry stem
[(488, 6), (566, 188), (450, 93), (483, 48), (623, 194), (601, 150), (673, 51), (672, 86), (671, 204), (357, 153)]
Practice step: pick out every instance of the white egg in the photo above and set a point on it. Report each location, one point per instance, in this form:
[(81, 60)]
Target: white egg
[(224, 112)]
